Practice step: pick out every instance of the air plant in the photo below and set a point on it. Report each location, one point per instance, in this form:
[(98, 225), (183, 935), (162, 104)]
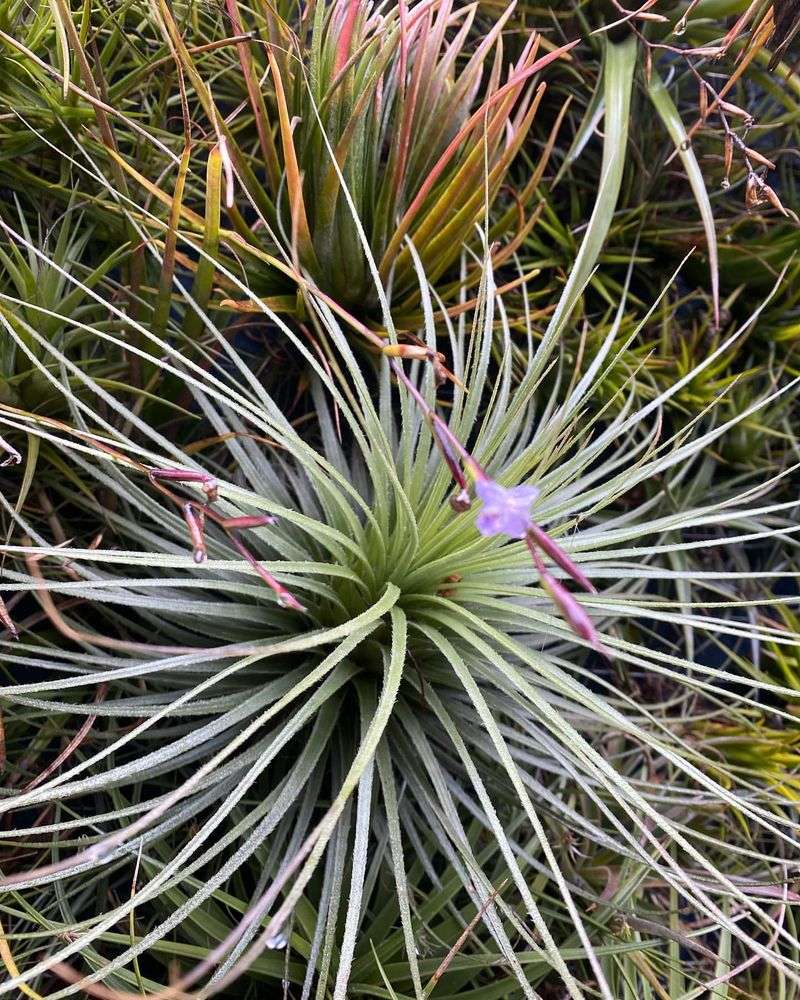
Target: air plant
[(28, 93), (304, 761), (399, 103), (37, 290), (767, 438), (764, 754)]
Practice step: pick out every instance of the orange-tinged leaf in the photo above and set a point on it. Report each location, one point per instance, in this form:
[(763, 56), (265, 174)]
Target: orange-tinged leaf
[(294, 180), (513, 86)]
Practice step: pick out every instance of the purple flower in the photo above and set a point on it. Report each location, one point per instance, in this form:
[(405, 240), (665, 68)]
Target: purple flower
[(506, 510)]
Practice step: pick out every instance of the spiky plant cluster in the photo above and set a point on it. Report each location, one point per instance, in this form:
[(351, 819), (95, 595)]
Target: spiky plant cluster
[(399, 490)]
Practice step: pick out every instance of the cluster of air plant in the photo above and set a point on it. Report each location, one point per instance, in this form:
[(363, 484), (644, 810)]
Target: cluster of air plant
[(473, 671), (383, 101), (37, 291)]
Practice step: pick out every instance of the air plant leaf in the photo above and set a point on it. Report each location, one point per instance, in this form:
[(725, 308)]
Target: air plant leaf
[(618, 73), (670, 115), (63, 43)]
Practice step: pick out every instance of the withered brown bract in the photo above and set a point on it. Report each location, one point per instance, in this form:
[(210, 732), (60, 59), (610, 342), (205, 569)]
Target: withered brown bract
[(787, 24)]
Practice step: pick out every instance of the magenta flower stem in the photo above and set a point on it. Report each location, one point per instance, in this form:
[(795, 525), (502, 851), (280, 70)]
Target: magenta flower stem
[(285, 598), (195, 523), (441, 431), (575, 615), (207, 483), (195, 514), (540, 537), (254, 521), (537, 559), (506, 511)]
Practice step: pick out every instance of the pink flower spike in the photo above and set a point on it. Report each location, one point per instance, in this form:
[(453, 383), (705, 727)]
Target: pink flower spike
[(506, 510), (441, 434), (195, 525), (536, 535), (246, 521), (208, 484), (285, 599), (577, 618)]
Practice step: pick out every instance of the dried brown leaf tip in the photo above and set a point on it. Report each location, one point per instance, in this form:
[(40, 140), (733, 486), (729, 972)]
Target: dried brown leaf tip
[(448, 589), (726, 183), (754, 154), (420, 352), (736, 111), (773, 199), (786, 15), (644, 13)]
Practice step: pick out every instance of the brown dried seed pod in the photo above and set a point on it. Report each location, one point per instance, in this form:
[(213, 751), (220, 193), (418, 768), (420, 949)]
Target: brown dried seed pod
[(772, 198), (728, 157), (752, 193), (755, 155)]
